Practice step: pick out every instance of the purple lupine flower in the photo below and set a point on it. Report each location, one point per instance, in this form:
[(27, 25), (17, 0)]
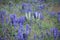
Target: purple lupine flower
[(58, 16), (2, 12), (2, 15), (13, 20), (0, 38), (21, 27), (22, 19), (52, 14), (24, 5), (58, 19), (7, 20), (25, 36), (2, 19), (55, 32), (29, 10), (12, 17), (28, 29), (59, 34), (35, 36), (23, 8), (20, 35)]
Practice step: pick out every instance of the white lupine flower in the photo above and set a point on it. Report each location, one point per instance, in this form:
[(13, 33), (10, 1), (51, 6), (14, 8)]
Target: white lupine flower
[(29, 15), (26, 14)]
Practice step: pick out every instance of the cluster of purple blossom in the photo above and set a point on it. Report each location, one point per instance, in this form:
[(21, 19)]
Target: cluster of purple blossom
[(19, 23)]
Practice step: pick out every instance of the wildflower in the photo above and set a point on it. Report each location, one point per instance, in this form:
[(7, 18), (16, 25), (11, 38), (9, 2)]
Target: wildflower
[(25, 36), (58, 19), (12, 17), (24, 5), (22, 19), (21, 28), (35, 36), (2, 15), (13, 20), (20, 35), (7, 20), (0, 38), (59, 34), (28, 29), (35, 14), (52, 14), (58, 16), (55, 32), (41, 16)]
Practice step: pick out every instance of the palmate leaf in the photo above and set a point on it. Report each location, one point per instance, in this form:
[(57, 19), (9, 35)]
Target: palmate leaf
[(46, 24)]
